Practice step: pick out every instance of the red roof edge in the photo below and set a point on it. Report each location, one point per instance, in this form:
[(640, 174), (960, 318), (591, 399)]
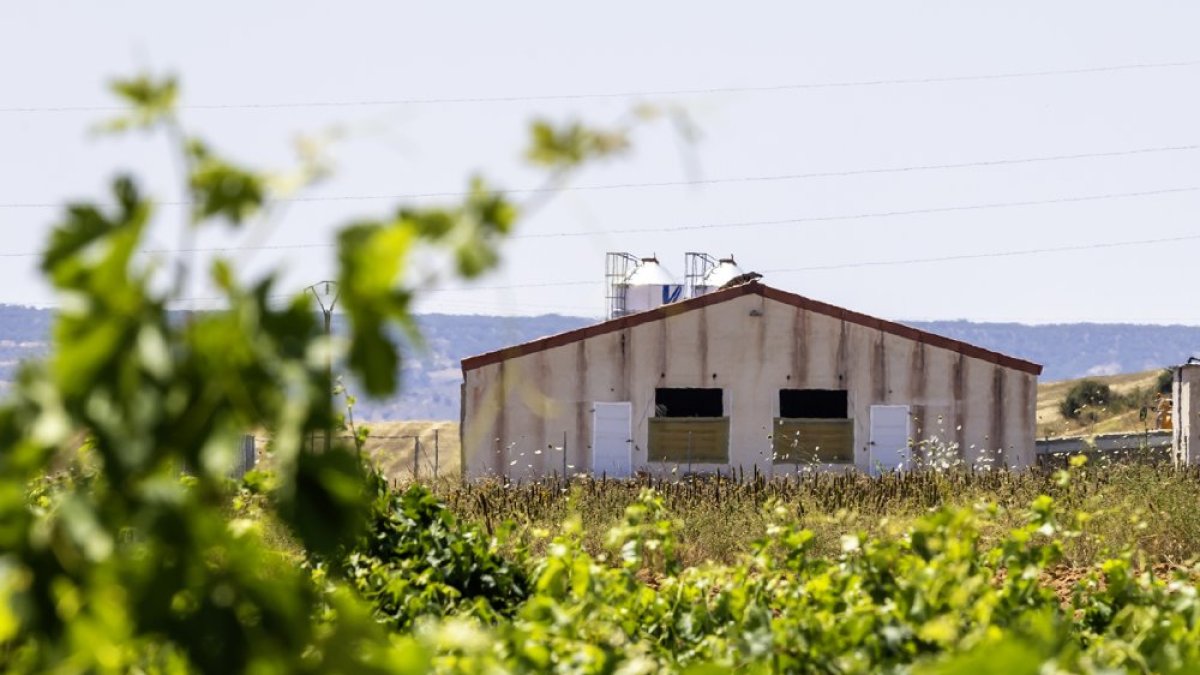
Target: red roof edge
[(799, 301)]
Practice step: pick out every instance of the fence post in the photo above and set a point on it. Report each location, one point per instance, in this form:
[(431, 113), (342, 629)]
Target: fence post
[(249, 453), (436, 453), (416, 455), (689, 454), (564, 455)]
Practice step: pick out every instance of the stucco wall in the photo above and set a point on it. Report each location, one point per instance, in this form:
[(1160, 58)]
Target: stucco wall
[(517, 411), (1185, 427)]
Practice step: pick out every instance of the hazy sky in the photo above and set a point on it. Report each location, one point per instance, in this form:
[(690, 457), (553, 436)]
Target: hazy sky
[(241, 62)]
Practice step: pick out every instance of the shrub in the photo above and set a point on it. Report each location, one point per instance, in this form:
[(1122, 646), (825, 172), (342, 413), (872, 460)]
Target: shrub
[(1163, 384), (1086, 397), (417, 559)]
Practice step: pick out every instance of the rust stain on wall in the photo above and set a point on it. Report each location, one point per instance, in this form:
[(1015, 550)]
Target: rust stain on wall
[(918, 390), (843, 358), (547, 411), (800, 348), (580, 447), (626, 375), (1029, 399), (879, 370), (997, 411), (960, 405), (761, 323), (501, 461), (664, 346)]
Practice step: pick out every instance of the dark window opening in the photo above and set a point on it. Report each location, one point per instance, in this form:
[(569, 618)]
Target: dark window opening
[(813, 404), (688, 403)]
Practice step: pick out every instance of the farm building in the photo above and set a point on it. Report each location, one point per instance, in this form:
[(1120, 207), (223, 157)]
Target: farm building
[(745, 377)]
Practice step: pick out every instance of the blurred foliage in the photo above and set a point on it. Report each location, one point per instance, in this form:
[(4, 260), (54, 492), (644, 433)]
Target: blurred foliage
[(142, 566), (572, 144), (222, 189)]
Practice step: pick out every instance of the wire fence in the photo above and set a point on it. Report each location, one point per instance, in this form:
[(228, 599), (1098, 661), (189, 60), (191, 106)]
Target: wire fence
[(432, 453), (426, 454)]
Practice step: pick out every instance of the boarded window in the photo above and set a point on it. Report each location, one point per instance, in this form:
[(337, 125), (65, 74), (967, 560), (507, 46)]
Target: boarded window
[(688, 402), (686, 440), (813, 427), (689, 427), (813, 441), (813, 404)]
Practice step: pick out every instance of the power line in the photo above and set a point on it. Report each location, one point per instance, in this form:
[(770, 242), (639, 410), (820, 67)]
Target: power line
[(423, 291), (811, 268), (429, 304), (698, 181), (216, 249), (713, 226), (577, 96), (547, 284), (936, 259), (863, 216), (993, 254)]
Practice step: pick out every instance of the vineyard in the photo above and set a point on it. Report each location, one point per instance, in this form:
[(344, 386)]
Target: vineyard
[(962, 572)]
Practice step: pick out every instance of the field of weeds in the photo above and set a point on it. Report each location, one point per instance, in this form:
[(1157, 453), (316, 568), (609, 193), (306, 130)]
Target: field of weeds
[(1148, 508)]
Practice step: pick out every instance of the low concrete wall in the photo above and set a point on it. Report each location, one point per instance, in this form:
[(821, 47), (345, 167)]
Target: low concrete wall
[(1105, 443)]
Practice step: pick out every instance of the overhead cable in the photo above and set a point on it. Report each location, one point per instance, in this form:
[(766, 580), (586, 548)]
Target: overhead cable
[(862, 216), (697, 181), (729, 225), (636, 94)]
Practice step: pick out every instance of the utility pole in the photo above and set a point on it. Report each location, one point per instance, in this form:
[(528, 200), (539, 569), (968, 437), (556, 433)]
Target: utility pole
[(326, 293)]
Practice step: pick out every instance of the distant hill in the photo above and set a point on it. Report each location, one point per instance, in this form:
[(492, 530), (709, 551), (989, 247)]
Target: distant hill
[(1072, 350), (431, 376)]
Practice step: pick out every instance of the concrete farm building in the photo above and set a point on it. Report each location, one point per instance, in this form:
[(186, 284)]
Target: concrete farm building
[(746, 377)]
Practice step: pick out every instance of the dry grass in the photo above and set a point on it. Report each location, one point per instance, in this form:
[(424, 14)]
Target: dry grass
[(1051, 423), (391, 446), (1133, 507)]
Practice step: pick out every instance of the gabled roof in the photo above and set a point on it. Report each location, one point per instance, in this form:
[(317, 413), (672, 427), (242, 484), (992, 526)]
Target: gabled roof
[(752, 288)]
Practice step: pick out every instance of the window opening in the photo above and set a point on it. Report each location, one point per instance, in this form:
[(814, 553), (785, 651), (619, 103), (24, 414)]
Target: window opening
[(814, 404), (688, 402)]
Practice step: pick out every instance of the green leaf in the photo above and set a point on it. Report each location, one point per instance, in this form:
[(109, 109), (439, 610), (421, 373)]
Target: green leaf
[(372, 257), (222, 189), (86, 226), (151, 101), (569, 145), (327, 505)]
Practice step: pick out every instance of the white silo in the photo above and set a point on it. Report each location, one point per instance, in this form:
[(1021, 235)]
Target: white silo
[(725, 271), (650, 285)]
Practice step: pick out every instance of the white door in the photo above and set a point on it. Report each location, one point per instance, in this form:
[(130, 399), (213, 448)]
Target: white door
[(889, 437), (612, 442)]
